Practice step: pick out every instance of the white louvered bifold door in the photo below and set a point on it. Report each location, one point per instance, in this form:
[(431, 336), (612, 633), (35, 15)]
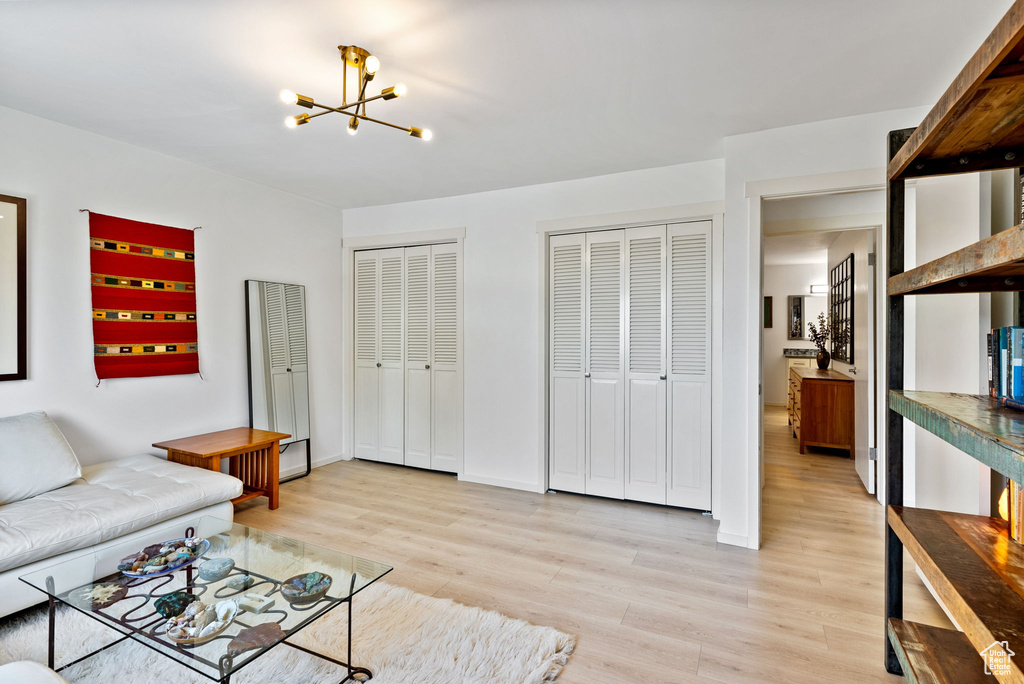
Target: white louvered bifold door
[(391, 447), (367, 332), (645, 364), (417, 357), (604, 369), (298, 364), (689, 378), (446, 367), (567, 402), (281, 414)]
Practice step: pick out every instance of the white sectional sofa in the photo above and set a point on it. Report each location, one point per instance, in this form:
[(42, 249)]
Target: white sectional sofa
[(52, 510)]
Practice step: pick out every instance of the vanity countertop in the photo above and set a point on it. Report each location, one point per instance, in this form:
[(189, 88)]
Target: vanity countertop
[(799, 353)]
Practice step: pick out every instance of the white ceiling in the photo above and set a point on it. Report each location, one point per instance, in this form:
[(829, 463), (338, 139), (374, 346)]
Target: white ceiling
[(516, 92)]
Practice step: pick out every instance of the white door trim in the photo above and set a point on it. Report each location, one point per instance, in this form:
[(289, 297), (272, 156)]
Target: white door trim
[(755, 192), (713, 211)]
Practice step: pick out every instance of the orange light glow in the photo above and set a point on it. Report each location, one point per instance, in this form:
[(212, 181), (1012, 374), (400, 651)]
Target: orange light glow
[(1004, 505)]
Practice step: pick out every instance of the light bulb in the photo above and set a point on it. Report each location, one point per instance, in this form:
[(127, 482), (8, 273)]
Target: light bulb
[(290, 122), (400, 90), (288, 97), (297, 120), (353, 126), (421, 133), (372, 64)]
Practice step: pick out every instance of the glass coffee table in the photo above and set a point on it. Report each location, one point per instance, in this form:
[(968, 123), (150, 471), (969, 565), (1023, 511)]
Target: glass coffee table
[(92, 584)]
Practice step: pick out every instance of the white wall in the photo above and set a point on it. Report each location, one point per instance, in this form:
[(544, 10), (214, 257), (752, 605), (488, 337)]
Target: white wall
[(840, 145), (780, 281), (952, 212), (502, 296), (249, 231)]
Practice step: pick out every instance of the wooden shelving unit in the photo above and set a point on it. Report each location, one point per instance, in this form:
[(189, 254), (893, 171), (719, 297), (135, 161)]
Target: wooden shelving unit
[(970, 561)]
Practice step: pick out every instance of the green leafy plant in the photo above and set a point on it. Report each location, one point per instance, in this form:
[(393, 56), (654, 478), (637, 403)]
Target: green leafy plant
[(828, 329)]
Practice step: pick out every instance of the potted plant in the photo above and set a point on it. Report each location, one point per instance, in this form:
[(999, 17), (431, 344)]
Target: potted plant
[(826, 329)]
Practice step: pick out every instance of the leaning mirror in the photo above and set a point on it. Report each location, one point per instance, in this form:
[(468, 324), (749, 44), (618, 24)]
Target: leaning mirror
[(13, 317), (278, 366)]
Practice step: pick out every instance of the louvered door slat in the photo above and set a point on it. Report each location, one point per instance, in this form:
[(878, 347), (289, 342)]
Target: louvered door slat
[(277, 332), (295, 307), (418, 432), (567, 308), (417, 324), (391, 308), (366, 308), (645, 304), (445, 326), (690, 294), (604, 343)]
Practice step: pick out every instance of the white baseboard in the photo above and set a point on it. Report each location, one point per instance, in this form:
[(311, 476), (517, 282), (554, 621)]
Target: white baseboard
[(301, 468), (499, 482), (734, 540)]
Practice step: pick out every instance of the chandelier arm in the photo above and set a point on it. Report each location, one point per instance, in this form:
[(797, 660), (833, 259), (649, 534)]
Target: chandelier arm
[(357, 115)]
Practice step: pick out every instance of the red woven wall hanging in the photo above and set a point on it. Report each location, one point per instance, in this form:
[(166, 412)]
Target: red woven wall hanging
[(143, 298)]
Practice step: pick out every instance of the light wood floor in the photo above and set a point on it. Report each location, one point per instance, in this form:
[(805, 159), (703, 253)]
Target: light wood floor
[(647, 590)]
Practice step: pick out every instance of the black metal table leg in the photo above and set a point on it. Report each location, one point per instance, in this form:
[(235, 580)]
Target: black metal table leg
[(50, 590)]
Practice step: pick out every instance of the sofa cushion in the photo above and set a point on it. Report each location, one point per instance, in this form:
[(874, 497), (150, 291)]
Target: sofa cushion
[(34, 457), (112, 499), (28, 672)]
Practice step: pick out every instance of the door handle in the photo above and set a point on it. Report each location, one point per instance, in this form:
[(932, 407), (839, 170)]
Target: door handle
[(288, 370), (378, 364), (664, 376), (853, 370), (427, 366), (586, 375)]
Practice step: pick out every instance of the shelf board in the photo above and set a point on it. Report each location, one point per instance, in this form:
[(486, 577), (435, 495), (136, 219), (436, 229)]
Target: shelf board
[(992, 265), (974, 423), (975, 124), (977, 571), (932, 655)]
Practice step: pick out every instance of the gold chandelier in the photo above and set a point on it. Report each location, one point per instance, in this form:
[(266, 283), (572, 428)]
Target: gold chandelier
[(366, 66)]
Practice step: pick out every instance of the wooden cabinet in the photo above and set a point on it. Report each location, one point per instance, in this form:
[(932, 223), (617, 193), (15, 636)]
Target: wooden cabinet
[(821, 408)]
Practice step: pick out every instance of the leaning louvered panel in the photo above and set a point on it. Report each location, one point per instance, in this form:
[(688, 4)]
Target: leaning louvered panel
[(690, 293), (604, 306), (646, 311), (417, 307), (391, 308), (567, 308), (277, 333), (445, 308), (295, 314), (366, 307)]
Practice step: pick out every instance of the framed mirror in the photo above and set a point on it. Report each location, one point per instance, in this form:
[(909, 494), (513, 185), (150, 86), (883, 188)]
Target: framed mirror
[(795, 317), (278, 363), (13, 295)]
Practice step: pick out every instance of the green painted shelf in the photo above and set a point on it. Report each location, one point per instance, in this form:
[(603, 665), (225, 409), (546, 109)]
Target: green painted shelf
[(974, 423)]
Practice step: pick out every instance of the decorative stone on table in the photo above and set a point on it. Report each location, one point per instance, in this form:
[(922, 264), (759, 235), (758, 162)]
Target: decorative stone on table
[(200, 622), (158, 557), (306, 588), (215, 569), (260, 636), (238, 582), (255, 603), (99, 596), (173, 604)]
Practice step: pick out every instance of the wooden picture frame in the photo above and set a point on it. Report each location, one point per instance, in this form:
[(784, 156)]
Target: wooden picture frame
[(769, 313), (795, 318), (18, 317)]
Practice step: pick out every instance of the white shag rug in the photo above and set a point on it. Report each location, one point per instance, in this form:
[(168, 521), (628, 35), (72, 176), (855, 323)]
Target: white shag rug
[(399, 635)]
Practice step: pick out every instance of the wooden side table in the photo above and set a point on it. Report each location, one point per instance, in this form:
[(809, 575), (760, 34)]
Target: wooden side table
[(254, 454)]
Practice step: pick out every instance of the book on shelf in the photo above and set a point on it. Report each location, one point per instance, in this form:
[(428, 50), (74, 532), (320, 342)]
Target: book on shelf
[(1005, 351)]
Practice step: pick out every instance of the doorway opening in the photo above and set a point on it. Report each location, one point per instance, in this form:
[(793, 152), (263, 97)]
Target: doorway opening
[(819, 267)]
